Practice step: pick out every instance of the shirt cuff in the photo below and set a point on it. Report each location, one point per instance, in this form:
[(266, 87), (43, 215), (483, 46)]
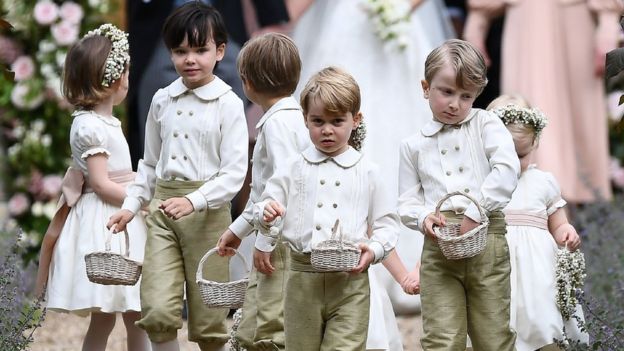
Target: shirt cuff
[(241, 228), (265, 243), (422, 215), (131, 204), (473, 213), (378, 251), (198, 200)]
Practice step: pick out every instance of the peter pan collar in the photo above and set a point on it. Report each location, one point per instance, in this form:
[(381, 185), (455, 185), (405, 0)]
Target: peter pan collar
[(210, 91), (346, 159), (110, 120), (434, 126), (287, 103)]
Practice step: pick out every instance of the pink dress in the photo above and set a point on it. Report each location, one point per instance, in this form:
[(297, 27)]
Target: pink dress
[(548, 54)]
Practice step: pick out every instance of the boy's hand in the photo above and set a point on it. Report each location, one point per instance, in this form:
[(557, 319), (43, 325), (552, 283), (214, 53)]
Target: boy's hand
[(566, 234), (176, 207), (228, 242), (411, 282), (272, 210), (467, 225), (432, 220), (366, 258), (262, 262), (118, 221)]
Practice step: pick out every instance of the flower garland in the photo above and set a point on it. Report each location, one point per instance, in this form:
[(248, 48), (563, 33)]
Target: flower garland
[(357, 136), (234, 344), (118, 58), (511, 114), (570, 276), (390, 20)]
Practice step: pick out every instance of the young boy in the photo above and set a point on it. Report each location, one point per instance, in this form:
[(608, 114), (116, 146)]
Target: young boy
[(269, 66), (326, 182), (195, 162), (468, 150)]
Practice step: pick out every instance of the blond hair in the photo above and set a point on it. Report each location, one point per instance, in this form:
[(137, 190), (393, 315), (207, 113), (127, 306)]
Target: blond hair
[(465, 59), (336, 89), (523, 134), (271, 64), (508, 99)]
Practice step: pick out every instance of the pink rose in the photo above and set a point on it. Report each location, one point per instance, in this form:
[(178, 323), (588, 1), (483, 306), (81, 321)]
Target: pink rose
[(71, 12), (9, 50), (18, 204), (45, 12), (20, 99), (65, 33), (51, 186), (24, 68)]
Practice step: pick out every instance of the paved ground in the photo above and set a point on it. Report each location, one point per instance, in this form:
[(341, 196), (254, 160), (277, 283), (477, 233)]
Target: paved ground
[(61, 332)]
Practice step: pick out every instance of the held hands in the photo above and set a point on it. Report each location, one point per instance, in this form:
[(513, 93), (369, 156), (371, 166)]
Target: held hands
[(272, 210), (467, 225), (366, 258), (262, 262), (117, 222), (228, 242), (432, 220), (566, 234), (411, 282), (176, 207)]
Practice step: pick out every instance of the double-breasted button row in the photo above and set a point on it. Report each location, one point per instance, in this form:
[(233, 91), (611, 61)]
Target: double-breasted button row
[(179, 112), (322, 181)]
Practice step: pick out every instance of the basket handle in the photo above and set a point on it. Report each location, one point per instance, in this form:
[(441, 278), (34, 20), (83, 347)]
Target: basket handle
[(337, 229), (108, 242), (455, 193), (200, 266)]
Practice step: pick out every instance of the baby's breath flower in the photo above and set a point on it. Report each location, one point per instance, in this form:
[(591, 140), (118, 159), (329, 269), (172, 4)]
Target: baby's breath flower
[(118, 58), (570, 277), (512, 114), (390, 19)]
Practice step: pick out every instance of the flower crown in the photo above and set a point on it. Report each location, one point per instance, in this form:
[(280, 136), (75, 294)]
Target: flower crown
[(511, 114), (118, 57)]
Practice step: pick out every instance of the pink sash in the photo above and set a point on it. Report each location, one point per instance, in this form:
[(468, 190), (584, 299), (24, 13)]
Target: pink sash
[(524, 218)]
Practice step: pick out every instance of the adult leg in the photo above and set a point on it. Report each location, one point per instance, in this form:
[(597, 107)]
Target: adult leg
[(100, 327)]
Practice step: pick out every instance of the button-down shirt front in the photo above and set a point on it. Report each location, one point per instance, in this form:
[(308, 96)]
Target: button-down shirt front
[(317, 189), (197, 135), (476, 157), (282, 135)]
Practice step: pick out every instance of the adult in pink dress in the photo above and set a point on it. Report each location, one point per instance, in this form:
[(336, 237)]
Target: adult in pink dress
[(553, 55)]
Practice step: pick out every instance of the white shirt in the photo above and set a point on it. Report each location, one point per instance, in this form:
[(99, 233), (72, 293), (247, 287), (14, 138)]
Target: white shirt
[(282, 135), (476, 157), (197, 135), (317, 189)]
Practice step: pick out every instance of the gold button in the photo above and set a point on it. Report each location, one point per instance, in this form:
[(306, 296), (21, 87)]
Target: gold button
[(318, 227), (337, 183), (448, 173), (443, 152), (322, 181), (179, 112), (190, 113), (175, 134), (185, 158), (461, 169), (456, 147), (335, 205), (466, 190), (173, 157), (185, 136), (319, 205)]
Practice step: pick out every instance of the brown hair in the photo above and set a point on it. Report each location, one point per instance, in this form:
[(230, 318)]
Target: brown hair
[(335, 88), (271, 64), (84, 70), (467, 61)]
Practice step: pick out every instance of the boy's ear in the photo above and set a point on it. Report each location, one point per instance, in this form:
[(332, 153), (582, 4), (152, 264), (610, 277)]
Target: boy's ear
[(220, 52), (425, 88), (357, 119)]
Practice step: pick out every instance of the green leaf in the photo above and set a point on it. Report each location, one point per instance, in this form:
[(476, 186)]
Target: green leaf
[(614, 62)]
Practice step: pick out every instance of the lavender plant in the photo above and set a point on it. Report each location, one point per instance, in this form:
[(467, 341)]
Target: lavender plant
[(19, 315)]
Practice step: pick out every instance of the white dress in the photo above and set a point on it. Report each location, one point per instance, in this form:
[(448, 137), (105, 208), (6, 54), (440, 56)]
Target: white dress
[(340, 33), (383, 331), (84, 231), (532, 249)]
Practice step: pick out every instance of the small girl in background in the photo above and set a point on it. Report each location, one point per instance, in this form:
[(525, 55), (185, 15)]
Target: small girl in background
[(536, 224), (95, 79)]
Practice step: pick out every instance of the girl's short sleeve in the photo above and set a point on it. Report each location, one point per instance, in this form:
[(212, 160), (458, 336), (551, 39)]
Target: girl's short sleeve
[(553, 194), (90, 139)]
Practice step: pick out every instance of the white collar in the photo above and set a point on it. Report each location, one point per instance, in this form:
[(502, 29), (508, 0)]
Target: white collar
[(347, 159), (287, 103), (210, 91), (434, 126), (110, 120)]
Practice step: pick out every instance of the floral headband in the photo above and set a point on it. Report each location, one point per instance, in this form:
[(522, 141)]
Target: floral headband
[(118, 57), (511, 114)]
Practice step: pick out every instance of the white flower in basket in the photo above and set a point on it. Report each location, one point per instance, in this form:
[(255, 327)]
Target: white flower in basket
[(109, 268), (455, 246), (335, 254), (221, 294)]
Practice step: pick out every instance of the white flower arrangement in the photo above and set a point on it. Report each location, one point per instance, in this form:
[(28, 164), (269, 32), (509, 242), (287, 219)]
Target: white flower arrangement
[(357, 136), (570, 277), (118, 57), (238, 317), (512, 114), (390, 19)]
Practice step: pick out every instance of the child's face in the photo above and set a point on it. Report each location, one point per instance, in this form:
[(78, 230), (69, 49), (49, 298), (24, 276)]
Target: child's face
[(449, 103), (195, 64), (330, 133)]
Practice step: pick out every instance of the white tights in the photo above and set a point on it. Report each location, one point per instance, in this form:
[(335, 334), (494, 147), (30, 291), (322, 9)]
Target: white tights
[(101, 326)]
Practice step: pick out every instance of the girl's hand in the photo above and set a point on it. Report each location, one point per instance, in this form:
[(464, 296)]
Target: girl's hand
[(262, 262), (119, 220), (272, 210), (176, 207), (228, 242), (411, 282), (566, 234), (467, 225), (366, 258), (432, 220)]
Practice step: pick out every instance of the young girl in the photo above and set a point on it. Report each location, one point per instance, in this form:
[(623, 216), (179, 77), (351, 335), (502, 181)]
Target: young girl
[(536, 224), (195, 162), (326, 182), (95, 79)]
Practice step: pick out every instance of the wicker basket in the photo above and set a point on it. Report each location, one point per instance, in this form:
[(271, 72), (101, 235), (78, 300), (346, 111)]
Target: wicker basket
[(335, 255), (455, 246), (221, 294), (109, 268)]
